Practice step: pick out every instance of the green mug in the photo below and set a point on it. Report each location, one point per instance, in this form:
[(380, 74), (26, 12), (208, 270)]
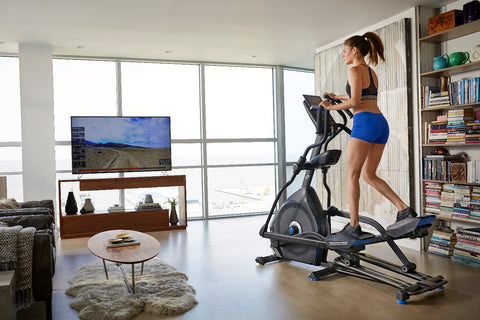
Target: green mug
[(458, 58)]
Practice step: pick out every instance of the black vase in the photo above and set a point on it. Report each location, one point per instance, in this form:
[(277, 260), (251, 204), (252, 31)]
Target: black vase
[(173, 216), (71, 205)]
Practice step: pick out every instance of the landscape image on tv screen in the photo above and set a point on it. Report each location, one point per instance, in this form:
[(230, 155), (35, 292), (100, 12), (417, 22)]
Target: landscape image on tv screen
[(116, 144)]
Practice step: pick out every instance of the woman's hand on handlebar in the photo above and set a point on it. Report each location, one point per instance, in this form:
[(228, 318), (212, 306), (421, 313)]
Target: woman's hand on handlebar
[(332, 96), (326, 105)]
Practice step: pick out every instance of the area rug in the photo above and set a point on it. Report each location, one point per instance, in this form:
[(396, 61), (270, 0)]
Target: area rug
[(161, 290)]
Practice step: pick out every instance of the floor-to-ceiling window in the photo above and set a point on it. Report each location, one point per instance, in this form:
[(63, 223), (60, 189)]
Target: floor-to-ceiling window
[(240, 137), (164, 89), (223, 129), (82, 88), (11, 129), (299, 129)]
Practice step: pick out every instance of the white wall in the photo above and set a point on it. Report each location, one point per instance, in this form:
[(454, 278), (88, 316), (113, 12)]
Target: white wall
[(38, 140)]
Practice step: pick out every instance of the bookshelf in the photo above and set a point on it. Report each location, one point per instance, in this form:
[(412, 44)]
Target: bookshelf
[(430, 46)]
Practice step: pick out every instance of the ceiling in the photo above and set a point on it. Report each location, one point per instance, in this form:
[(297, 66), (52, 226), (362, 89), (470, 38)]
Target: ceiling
[(273, 32)]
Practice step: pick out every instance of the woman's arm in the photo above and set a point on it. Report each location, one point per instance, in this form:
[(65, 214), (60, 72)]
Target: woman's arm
[(337, 96), (355, 81)]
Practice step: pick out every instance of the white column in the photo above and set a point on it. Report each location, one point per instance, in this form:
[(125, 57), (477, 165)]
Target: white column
[(38, 139)]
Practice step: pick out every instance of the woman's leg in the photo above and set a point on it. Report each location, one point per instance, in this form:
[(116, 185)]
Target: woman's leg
[(369, 174), (357, 152)]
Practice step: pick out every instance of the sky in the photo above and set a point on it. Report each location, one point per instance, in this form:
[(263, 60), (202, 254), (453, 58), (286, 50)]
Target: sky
[(148, 132)]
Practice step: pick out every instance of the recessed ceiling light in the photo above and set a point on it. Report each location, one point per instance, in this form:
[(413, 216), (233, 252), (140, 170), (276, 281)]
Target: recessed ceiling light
[(254, 55), (80, 47), (168, 51)]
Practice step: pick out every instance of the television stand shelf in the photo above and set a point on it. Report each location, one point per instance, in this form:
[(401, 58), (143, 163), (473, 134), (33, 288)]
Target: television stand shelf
[(85, 225)]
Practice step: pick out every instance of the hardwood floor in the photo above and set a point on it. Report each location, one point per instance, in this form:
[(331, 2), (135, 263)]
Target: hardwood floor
[(218, 257)]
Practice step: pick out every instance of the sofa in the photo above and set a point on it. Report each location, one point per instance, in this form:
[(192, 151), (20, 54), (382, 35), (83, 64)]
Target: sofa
[(40, 215)]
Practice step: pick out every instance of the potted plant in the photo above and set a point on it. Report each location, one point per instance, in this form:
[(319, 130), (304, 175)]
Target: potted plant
[(173, 211)]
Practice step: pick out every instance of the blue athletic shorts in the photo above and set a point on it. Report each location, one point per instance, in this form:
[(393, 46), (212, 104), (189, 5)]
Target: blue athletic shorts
[(370, 127)]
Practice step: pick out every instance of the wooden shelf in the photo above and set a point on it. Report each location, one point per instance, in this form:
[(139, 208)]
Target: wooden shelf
[(459, 106), (450, 34), (453, 182), (85, 225), (455, 219), (438, 145), (469, 66)]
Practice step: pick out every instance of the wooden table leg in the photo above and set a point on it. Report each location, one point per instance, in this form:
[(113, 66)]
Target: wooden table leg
[(105, 268), (133, 278)]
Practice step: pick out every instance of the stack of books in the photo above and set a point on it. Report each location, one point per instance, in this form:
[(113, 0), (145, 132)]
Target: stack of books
[(472, 131), (467, 249), (437, 132), (432, 197), (456, 124), (438, 99), (461, 205), (475, 204), (447, 199), (442, 243)]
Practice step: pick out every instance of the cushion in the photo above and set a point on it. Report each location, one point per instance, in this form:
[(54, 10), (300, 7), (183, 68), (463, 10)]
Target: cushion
[(25, 211), (37, 221)]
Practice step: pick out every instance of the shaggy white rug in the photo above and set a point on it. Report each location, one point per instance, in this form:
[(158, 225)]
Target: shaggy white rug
[(161, 290)]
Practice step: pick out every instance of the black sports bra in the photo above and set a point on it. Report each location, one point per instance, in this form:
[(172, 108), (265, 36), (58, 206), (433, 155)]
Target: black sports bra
[(369, 93)]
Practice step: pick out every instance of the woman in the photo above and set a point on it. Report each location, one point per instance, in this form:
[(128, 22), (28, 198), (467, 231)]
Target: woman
[(370, 128)]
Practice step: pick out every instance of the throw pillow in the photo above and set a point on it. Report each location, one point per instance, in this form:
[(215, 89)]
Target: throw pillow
[(9, 204)]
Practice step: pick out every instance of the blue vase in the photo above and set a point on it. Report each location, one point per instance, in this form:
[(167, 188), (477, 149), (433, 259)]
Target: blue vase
[(441, 62)]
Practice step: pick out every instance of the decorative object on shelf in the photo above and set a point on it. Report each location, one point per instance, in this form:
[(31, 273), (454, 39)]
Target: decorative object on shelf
[(459, 172), (444, 83), (71, 205), (440, 151), (148, 198), (458, 58), (471, 11), (116, 208), (441, 62), (445, 21), (87, 206), (475, 53), (173, 211)]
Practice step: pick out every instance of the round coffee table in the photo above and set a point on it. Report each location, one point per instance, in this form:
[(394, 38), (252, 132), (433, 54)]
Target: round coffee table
[(148, 248)]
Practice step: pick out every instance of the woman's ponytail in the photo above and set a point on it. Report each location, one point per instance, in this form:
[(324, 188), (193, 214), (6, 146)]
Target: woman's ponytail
[(376, 47), (368, 43)]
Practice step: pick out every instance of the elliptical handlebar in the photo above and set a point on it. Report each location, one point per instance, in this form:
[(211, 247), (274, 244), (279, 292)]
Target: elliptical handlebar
[(333, 101)]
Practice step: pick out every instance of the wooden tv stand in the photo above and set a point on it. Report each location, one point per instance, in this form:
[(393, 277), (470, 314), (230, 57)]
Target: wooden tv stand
[(85, 225)]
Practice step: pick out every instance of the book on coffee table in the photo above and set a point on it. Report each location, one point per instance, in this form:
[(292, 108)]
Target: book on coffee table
[(109, 244)]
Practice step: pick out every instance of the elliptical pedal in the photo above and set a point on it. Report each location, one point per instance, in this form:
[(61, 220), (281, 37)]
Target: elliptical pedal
[(410, 227)]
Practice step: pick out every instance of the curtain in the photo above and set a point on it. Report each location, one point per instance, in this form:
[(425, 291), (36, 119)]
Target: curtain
[(395, 102)]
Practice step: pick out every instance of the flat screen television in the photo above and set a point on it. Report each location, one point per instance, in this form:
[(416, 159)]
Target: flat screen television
[(120, 144)]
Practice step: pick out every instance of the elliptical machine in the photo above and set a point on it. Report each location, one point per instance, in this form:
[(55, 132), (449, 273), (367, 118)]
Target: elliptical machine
[(299, 230)]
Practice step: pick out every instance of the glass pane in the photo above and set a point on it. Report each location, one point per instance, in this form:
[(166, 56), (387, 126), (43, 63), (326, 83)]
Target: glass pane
[(63, 158), (186, 154), (297, 183), (11, 129), (240, 153), (238, 98), (240, 190), (299, 129), (10, 159), (82, 88), (156, 89), (15, 187), (194, 191)]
